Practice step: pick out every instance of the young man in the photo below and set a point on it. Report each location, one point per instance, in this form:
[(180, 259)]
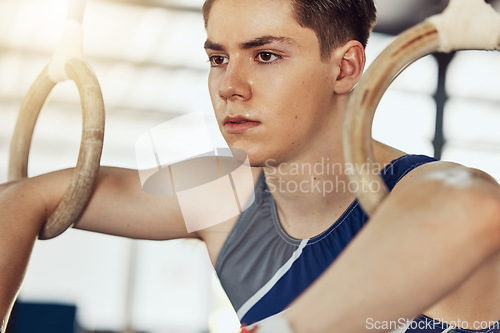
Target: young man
[(280, 78)]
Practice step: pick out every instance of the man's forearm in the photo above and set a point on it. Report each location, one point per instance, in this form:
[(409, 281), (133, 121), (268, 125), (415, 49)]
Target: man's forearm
[(419, 246), (22, 213)]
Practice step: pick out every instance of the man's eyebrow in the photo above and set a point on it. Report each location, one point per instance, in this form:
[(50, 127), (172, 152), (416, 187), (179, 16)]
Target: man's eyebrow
[(259, 41), (213, 46)]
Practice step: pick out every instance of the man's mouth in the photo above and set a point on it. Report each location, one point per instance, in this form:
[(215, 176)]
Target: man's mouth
[(239, 124)]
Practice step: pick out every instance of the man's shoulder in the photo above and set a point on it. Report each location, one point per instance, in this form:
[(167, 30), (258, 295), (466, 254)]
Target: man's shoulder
[(437, 169), (453, 178)]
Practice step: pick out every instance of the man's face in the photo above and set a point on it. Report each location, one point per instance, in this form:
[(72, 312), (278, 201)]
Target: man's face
[(270, 89)]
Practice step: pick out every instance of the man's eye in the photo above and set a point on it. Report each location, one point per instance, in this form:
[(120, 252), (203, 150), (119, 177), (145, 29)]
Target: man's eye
[(267, 57), (218, 60)]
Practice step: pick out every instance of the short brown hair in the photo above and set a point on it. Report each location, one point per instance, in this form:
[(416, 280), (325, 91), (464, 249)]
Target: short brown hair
[(335, 22)]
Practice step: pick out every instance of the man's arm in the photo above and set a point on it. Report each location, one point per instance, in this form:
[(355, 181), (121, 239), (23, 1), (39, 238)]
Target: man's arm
[(118, 206), (22, 213), (441, 222)]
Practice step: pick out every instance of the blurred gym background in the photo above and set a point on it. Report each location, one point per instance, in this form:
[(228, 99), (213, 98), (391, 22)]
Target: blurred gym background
[(148, 56)]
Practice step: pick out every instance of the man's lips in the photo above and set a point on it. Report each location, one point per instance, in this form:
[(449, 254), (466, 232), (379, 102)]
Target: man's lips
[(239, 124)]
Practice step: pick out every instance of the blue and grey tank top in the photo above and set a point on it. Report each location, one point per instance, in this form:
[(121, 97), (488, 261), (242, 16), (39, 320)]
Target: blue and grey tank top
[(263, 269)]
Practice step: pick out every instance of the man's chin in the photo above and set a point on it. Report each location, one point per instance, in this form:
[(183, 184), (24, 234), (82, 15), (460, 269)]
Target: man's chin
[(262, 162), (256, 158), (252, 160)]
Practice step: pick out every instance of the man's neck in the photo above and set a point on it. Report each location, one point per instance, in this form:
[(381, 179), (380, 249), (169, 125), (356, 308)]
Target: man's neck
[(309, 194)]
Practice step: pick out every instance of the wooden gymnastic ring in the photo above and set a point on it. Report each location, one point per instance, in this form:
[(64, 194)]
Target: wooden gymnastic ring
[(79, 191), (410, 46)]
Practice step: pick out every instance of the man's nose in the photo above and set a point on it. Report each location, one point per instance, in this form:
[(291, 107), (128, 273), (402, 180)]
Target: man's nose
[(236, 83)]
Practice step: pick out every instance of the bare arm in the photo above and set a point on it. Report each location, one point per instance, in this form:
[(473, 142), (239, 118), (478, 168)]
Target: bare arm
[(118, 206), (19, 227), (440, 220)]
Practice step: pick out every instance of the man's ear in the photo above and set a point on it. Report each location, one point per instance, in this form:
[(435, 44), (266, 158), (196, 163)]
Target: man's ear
[(351, 58)]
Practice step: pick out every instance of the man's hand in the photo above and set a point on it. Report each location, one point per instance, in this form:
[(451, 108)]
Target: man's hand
[(273, 324)]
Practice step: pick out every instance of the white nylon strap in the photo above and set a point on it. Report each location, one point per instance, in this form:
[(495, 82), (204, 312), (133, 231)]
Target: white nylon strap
[(467, 25), (71, 46), (76, 9), (273, 324)]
